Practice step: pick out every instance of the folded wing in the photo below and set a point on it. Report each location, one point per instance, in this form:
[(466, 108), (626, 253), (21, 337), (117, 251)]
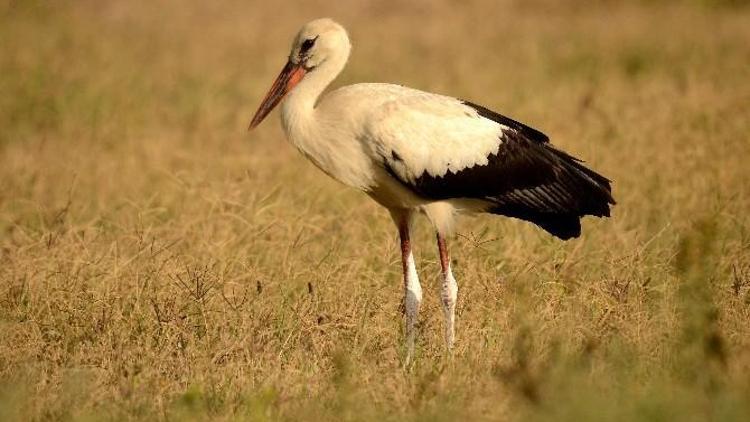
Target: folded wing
[(443, 148)]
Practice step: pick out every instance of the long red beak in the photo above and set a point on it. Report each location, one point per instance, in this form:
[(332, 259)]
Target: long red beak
[(287, 79)]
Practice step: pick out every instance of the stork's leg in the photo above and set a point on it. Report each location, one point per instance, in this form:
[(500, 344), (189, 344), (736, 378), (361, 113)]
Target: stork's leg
[(449, 291), (412, 289)]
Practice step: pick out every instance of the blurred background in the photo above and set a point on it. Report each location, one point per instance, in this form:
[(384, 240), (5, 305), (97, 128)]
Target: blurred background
[(157, 261)]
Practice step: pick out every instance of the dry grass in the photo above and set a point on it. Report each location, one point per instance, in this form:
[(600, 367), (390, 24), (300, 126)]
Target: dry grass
[(158, 262)]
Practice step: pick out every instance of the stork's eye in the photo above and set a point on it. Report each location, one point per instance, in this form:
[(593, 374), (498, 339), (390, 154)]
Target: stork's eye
[(307, 45)]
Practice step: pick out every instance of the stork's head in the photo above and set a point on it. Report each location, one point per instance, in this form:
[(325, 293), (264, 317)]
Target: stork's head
[(317, 41), (320, 45)]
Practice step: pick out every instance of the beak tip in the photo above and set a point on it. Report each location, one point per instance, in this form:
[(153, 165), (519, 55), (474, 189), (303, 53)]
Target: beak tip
[(290, 75)]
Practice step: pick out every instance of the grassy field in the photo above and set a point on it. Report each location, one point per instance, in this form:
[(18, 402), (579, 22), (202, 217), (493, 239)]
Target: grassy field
[(158, 262)]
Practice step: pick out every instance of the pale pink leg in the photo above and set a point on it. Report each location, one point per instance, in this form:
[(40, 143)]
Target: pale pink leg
[(412, 289), (448, 293)]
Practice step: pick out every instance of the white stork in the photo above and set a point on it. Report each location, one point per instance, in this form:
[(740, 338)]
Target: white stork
[(413, 151)]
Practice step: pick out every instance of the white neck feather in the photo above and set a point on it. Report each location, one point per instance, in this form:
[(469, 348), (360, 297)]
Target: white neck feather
[(297, 109), (318, 136)]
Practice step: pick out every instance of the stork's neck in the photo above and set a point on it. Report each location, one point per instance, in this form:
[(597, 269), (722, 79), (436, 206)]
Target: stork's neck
[(298, 107)]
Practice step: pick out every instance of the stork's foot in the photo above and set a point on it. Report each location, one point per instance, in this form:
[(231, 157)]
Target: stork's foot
[(412, 301), (448, 296), (448, 293)]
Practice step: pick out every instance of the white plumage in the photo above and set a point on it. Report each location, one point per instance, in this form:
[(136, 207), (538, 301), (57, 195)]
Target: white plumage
[(430, 133), (414, 151)]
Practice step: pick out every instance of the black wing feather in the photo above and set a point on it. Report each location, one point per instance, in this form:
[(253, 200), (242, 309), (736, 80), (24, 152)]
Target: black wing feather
[(526, 131)]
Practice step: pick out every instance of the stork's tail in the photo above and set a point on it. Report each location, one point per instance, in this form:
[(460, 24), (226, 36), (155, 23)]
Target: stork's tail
[(558, 205)]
